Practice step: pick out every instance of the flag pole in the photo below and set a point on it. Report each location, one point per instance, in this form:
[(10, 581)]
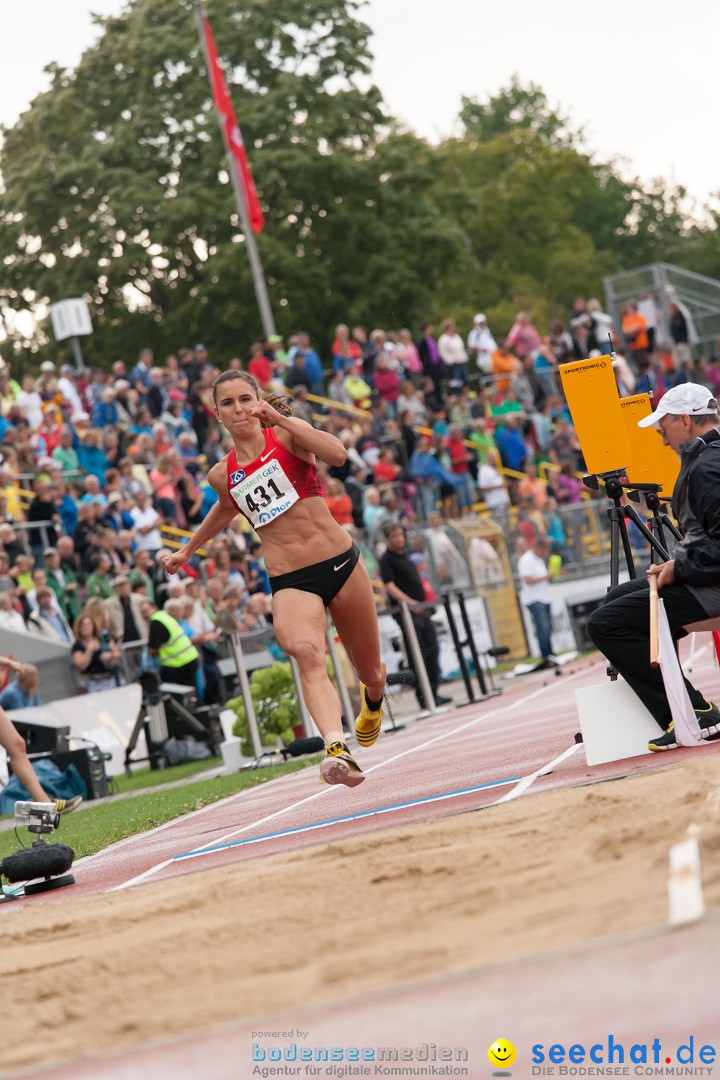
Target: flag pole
[(261, 293)]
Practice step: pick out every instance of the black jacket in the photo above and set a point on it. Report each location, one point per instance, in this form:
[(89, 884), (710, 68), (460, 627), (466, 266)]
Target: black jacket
[(696, 505), (434, 370)]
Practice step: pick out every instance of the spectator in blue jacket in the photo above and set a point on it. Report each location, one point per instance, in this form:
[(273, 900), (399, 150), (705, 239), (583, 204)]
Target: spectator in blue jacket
[(140, 374), (510, 443), (92, 456), (313, 365), (429, 475), (106, 414), (22, 693)]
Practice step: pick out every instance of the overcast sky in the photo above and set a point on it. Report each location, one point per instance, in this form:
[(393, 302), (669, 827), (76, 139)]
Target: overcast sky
[(639, 75)]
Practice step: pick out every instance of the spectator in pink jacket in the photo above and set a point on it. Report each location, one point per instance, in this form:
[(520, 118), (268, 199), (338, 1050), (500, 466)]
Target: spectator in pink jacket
[(523, 337), (387, 383)]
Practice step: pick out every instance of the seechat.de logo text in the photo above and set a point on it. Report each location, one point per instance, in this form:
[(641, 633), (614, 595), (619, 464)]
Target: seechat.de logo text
[(613, 1058)]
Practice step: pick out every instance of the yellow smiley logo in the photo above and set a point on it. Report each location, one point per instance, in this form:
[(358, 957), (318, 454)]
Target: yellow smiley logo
[(501, 1053)]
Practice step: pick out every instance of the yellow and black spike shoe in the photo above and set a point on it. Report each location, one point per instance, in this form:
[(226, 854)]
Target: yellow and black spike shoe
[(66, 806), (708, 721), (339, 767), (368, 724)]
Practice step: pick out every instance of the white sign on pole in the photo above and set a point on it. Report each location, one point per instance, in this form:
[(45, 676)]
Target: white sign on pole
[(70, 318)]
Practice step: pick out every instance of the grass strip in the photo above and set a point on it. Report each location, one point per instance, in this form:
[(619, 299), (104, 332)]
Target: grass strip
[(147, 777), (93, 828)]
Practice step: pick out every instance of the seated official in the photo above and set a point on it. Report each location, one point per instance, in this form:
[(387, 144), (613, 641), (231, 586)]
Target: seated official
[(687, 420)]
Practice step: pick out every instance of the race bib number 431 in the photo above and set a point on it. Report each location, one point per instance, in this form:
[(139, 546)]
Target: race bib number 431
[(265, 494)]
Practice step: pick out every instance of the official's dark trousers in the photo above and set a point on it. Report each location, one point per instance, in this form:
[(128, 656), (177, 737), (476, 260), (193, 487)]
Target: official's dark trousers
[(620, 628), (429, 648)]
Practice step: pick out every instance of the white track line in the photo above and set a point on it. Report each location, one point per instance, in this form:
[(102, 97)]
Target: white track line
[(525, 783), (168, 824), (327, 790), (698, 653)]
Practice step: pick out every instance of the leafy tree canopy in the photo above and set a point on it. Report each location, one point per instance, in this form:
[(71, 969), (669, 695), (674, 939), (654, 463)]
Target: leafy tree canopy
[(114, 188), (516, 107)]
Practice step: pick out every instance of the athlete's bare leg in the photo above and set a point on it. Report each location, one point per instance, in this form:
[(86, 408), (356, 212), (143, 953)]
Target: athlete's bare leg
[(355, 617), (300, 625), (14, 745)]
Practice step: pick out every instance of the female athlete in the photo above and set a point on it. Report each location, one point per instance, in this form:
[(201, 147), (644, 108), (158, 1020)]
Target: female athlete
[(271, 478)]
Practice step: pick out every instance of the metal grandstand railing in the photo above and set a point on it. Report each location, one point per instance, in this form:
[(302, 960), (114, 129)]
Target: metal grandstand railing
[(698, 295)]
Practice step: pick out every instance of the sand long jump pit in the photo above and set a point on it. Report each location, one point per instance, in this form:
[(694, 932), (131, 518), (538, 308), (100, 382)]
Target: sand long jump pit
[(353, 930)]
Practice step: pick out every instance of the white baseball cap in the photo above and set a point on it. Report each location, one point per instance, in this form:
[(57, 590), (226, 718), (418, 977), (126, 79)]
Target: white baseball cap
[(479, 318), (688, 399)]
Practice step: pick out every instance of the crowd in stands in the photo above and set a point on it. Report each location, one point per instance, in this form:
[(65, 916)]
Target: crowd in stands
[(95, 464)]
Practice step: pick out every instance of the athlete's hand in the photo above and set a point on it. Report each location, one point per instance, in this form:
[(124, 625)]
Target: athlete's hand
[(665, 573), (263, 412), (172, 561)]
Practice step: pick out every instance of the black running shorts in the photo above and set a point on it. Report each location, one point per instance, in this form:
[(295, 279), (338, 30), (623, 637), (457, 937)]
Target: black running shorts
[(325, 578)]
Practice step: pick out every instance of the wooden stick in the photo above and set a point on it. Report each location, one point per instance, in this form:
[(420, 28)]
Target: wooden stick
[(654, 644)]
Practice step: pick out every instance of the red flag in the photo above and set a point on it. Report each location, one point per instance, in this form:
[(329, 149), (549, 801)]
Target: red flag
[(233, 138)]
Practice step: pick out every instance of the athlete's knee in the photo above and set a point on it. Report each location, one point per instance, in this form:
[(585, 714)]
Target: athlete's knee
[(309, 654)]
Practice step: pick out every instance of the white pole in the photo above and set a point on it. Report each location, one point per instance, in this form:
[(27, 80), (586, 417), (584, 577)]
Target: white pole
[(258, 276), (236, 645), (307, 720), (340, 680), (416, 658)]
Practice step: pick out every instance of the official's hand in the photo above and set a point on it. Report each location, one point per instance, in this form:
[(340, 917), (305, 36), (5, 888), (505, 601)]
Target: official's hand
[(665, 573)]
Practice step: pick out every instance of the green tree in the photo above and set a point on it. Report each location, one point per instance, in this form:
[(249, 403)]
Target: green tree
[(517, 107), (542, 220), (111, 178), (276, 707), (115, 189)]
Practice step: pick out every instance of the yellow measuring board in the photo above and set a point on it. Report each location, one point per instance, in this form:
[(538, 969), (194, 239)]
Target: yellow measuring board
[(653, 463), (594, 404)]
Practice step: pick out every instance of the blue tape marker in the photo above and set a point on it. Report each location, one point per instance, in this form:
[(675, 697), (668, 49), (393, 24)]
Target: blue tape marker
[(348, 817)]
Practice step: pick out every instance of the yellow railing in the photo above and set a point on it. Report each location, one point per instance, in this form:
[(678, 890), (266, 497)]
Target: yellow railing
[(174, 537), (330, 404), (169, 532)]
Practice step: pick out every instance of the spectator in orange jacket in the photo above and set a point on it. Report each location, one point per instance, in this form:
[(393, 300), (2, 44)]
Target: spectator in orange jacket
[(634, 328)]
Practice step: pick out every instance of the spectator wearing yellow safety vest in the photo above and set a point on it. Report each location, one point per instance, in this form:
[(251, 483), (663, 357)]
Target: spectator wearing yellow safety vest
[(167, 641)]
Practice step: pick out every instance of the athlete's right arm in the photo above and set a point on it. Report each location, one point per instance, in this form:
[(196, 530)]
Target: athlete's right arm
[(218, 519)]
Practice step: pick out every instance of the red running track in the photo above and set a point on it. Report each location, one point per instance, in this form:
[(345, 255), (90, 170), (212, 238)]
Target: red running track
[(465, 759), (624, 987)]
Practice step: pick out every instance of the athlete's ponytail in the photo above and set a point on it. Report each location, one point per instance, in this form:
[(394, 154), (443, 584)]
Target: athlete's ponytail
[(279, 402)]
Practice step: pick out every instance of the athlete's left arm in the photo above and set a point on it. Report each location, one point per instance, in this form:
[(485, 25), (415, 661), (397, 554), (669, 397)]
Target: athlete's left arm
[(300, 437), (305, 440)]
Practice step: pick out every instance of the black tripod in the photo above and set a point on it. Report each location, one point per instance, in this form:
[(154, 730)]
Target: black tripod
[(659, 520), (616, 484), (153, 720)]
